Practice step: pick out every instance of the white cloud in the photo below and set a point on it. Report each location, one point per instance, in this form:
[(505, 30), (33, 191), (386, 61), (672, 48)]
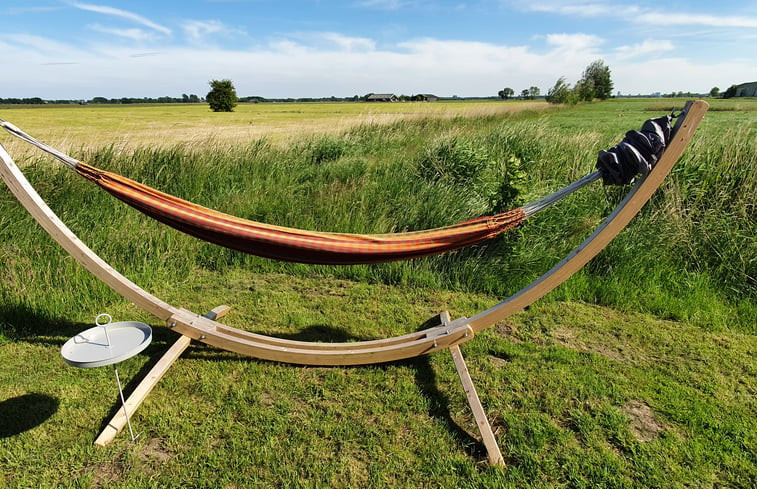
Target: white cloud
[(575, 42), (645, 48), (29, 10), (578, 8), (102, 9), (383, 4), (134, 33), (636, 14), (667, 19), (196, 30), (348, 43), (345, 66), (651, 76), (36, 46)]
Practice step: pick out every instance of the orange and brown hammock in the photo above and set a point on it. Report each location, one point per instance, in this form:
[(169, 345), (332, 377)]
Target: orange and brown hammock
[(290, 244), (637, 153)]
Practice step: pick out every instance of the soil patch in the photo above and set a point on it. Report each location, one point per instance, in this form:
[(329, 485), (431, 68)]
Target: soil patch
[(105, 473), (155, 452), (644, 424)]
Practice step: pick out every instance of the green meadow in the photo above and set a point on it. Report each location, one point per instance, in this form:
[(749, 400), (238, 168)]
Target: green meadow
[(639, 371)]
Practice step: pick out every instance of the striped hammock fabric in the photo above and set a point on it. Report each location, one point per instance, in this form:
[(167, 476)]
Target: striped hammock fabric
[(295, 245)]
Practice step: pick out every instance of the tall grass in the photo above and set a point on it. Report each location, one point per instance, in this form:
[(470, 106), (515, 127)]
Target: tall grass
[(690, 254)]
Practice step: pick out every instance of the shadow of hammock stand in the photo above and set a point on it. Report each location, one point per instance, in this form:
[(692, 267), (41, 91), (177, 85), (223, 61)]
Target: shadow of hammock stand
[(447, 335)]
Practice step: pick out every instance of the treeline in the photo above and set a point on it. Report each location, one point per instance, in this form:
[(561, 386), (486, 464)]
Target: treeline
[(192, 99), (184, 99), (257, 99), (354, 98)]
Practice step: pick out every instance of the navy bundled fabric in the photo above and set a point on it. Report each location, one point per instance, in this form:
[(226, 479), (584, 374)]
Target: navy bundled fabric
[(637, 153)]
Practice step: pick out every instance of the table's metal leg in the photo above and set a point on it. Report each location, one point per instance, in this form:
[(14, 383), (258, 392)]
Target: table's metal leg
[(123, 403)]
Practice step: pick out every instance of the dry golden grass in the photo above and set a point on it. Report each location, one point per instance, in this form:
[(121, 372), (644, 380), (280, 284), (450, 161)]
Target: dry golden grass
[(75, 128)]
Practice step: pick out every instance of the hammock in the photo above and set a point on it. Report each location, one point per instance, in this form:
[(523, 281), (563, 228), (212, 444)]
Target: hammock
[(638, 153)]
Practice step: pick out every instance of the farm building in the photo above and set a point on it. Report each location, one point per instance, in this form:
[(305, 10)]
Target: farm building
[(382, 97), (746, 90), (427, 97)]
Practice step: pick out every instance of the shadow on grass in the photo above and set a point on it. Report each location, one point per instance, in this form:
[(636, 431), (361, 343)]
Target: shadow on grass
[(25, 324), (18, 321), (22, 413), (426, 380), (322, 333), (425, 377), (314, 333)]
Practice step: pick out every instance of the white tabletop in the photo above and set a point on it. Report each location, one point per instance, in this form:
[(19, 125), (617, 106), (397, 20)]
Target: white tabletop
[(97, 347)]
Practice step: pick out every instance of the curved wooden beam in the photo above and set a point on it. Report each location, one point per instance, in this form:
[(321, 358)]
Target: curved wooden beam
[(214, 333), (606, 232), (352, 353)]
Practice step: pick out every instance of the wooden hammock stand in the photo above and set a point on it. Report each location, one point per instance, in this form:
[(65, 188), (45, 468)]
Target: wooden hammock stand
[(447, 335)]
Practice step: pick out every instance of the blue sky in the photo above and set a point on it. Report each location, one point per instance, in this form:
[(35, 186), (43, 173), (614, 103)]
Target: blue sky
[(112, 48)]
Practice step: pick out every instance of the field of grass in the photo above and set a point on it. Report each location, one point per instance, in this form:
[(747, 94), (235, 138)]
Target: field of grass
[(638, 372), (74, 128)]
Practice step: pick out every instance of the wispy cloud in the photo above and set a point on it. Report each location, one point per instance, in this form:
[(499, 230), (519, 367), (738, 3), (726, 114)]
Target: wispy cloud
[(577, 8), (28, 10), (124, 14), (134, 33), (196, 30), (37, 44), (666, 18), (384, 4), (645, 48), (348, 43), (636, 14), (575, 42)]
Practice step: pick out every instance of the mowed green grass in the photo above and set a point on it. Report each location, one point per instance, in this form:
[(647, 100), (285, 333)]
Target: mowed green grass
[(638, 372)]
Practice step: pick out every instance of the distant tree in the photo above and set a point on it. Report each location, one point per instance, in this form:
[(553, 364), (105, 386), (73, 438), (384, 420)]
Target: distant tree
[(714, 92), (222, 96), (597, 74), (560, 93), (730, 92), (193, 98), (506, 93), (584, 90), (524, 93), (533, 92)]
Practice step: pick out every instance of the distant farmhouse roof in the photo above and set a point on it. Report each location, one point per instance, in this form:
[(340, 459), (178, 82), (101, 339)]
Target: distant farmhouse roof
[(746, 90), (382, 97), (428, 97)]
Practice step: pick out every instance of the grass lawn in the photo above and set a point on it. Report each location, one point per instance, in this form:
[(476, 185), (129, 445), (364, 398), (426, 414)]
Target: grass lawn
[(578, 395), (637, 372)]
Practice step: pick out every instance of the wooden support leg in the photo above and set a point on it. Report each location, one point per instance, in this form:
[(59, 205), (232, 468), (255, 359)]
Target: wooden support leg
[(487, 436), (118, 422)]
